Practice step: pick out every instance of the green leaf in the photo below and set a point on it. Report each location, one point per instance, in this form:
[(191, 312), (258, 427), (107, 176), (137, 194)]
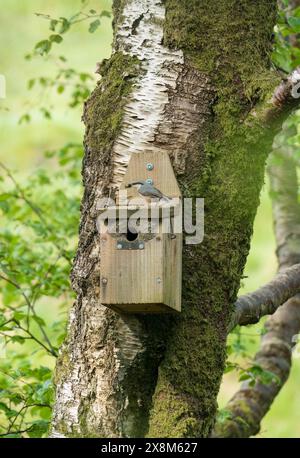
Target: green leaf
[(244, 376), (39, 320), (60, 89), (53, 24), (16, 398), (230, 367), (38, 428), (19, 316), (224, 415), (106, 13), (65, 25), (25, 118), (41, 411), (4, 196), (18, 339), (56, 38), (31, 83), (43, 47), (46, 113), (11, 413), (4, 407), (94, 26), (12, 436), (294, 22)]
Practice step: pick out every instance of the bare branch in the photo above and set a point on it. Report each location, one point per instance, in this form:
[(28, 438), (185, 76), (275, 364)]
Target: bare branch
[(16, 432), (266, 300), (23, 409), (286, 96), (50, 350), (285, 99), (250, 403)]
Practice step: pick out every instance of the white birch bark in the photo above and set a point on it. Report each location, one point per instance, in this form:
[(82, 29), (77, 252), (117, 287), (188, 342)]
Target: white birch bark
[(162, 113)]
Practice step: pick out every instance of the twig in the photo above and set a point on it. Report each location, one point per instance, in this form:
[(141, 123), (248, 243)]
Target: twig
[(35, 209), (17, 286)]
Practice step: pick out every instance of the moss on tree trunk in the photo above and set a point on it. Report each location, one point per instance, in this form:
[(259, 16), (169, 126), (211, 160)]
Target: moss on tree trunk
[(218, 56), (229, 42)]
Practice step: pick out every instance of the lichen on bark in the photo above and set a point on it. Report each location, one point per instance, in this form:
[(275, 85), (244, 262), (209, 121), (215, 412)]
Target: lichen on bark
[(73, 413)]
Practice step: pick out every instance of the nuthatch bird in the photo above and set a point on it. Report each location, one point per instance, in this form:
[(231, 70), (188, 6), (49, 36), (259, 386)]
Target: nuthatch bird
[(148, 190)]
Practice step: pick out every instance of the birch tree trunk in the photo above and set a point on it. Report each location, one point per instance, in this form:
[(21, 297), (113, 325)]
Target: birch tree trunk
[(186, 77)]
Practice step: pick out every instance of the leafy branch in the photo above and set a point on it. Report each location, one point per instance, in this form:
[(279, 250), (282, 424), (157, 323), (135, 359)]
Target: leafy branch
[(50, 349), (22, 195), (39, 215), (59, 26)]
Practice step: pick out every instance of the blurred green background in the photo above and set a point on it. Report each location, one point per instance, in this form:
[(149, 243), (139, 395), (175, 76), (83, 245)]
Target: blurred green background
[(22, 148)]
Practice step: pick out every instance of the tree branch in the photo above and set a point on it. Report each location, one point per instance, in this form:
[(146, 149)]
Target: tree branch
[(250, 403), (286, 96), (51, 349), (17, 432), (285, 99), (266, 300), (36, 210)]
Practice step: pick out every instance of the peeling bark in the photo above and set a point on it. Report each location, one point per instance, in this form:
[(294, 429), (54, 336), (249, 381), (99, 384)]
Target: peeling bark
[(176, 82), (140, 34), (117, 357)]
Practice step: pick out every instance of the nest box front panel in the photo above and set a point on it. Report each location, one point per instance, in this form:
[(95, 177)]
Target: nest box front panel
[(132, 279), (143, 274), (156, 167)]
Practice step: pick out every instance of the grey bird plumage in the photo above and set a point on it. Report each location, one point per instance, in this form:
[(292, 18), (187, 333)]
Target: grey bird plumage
[(148, 190)]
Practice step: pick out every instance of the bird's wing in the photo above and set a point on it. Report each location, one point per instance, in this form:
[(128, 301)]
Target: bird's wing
[(150, 191), (158, 193), (161, 195)]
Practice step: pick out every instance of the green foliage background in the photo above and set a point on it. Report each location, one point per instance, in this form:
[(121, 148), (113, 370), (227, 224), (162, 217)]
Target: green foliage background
[(40, 188)]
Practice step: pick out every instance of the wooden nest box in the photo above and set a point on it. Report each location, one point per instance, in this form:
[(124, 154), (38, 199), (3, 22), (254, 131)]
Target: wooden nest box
[(141, 270)]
